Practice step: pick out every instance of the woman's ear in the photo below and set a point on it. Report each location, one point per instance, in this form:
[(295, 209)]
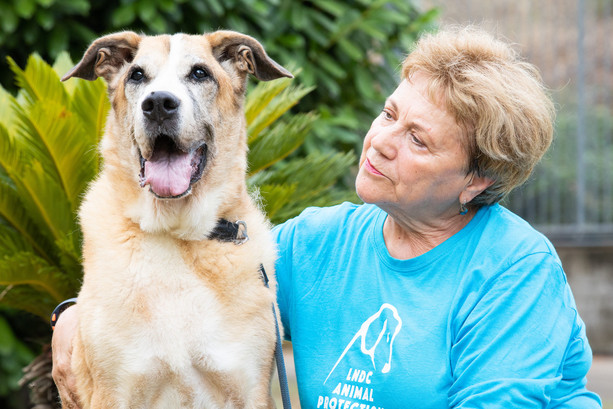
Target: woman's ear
[(475, 186)]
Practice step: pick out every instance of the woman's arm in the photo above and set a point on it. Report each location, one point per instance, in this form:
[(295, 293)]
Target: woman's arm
[(521, 343), (61, 346)]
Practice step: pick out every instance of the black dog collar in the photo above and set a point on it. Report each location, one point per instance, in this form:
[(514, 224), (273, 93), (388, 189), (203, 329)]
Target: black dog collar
[(227, 231)]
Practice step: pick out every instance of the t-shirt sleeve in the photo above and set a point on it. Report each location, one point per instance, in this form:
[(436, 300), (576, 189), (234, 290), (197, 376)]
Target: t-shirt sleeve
[(520, 343), (283, 234)]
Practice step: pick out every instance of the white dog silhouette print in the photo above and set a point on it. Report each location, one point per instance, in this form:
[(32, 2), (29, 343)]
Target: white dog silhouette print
[(376, 337)]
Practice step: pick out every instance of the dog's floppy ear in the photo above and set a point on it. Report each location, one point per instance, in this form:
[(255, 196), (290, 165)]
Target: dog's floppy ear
[(247, 53), (105, 55)]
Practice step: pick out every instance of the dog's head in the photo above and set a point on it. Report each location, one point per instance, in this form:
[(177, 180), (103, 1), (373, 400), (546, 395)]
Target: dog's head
[(173, 98)]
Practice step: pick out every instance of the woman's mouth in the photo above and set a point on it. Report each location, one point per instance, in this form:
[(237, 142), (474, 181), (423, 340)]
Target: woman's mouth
[(371, 169)]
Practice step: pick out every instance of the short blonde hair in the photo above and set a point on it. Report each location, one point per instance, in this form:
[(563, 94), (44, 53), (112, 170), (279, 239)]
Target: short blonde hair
[(498, 99)]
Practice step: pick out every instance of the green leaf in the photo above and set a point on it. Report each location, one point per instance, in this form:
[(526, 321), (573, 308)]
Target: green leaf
[(79, 7), (12, 158), (273, 110), (16, 218), (157, 24), (275, 197), (57, 134), (307, 179), (14, 355), (90, 102), (36, 301), (332, 6), (260, 96), (26, 269), (349, 48), (45, 19), (279, 142), (314, 173), (364, 83), (146, 10), (69, 253), (9, 20), (25, 8), (215, 7), (12, 241), (58, 40), (39, 82), (6, 103), (63, 63), (46, 203), (332, 67), (123, 16)]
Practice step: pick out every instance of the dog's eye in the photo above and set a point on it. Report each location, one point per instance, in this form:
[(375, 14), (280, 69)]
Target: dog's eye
[(199, 74), (137, 75)]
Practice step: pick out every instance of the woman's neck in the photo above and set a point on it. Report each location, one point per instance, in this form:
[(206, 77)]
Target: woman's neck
[(405, 238)]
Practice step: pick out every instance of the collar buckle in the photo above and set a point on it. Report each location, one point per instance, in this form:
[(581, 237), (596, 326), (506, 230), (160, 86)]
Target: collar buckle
[(241, 233)]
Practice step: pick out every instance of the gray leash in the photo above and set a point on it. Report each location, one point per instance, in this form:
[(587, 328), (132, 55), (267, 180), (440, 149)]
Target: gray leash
[(287, 404), (236, 232)]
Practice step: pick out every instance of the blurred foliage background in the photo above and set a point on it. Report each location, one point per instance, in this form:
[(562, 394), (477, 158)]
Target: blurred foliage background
[(350, 50), (346, 55)]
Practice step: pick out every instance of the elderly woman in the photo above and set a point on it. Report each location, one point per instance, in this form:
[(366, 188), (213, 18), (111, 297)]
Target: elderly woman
[(432, 295)]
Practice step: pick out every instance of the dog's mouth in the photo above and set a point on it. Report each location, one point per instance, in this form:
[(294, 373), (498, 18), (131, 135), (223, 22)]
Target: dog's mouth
[(171, 172)]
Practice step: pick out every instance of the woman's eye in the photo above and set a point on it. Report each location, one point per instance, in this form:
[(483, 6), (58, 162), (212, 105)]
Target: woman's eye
[(199, 74), (416, 140), (137, 75), (387, 115)]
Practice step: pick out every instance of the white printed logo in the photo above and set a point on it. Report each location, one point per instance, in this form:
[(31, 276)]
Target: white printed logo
[(376, 337)]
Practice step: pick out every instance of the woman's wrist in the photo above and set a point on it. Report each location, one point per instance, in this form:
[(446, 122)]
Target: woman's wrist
[(55, 315)]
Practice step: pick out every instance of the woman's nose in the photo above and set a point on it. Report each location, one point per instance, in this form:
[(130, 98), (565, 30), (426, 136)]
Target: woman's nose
[(384, 142)]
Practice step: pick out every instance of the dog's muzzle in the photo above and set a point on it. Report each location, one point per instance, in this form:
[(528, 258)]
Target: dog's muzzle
[(171, 172)]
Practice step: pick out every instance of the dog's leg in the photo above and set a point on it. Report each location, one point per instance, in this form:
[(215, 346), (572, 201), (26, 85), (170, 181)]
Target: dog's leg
[(262, 399), (91, 395)]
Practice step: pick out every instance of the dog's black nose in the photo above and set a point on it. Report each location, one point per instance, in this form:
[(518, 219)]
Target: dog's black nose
[(160, 105)]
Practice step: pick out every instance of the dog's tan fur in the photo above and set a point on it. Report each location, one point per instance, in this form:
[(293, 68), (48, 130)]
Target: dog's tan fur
[(167, 317)]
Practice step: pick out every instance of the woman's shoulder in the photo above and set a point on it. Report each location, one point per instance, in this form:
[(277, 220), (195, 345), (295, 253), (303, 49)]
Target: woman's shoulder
[(507, 232), (503, 248)]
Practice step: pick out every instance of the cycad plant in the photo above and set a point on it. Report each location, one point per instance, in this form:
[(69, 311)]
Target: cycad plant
[(48, 137)]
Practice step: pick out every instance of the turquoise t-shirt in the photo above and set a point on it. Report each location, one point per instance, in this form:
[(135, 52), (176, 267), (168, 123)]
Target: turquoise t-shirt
[(485, 319)]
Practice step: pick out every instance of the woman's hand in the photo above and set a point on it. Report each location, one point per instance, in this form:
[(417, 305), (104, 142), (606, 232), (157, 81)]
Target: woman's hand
[(61, 346)]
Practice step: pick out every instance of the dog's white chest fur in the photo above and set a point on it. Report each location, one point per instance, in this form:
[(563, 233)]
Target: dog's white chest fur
[(170, 333)]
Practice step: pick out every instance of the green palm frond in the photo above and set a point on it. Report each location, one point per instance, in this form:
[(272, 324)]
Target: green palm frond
[(14, 216), (62, 64), (48, 135), (274, 198), (309, 181), (38, 82), (260, 96), (24, 268), (286, 187), (12, 241), (68, 160), (91, 104), (28, 298), (46, 202), (269, 110), (279, 141), (6, 115)]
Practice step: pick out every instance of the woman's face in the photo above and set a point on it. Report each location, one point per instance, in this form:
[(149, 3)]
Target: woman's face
[(413, 159)]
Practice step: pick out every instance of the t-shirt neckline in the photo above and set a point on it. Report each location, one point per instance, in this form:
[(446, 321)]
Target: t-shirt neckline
[(430, 256)]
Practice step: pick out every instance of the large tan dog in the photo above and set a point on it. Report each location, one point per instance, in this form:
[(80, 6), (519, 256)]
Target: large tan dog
[(169, 315)]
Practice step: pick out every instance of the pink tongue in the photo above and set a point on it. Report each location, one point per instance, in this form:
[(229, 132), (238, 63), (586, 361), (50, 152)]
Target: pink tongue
[(168, 173)]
